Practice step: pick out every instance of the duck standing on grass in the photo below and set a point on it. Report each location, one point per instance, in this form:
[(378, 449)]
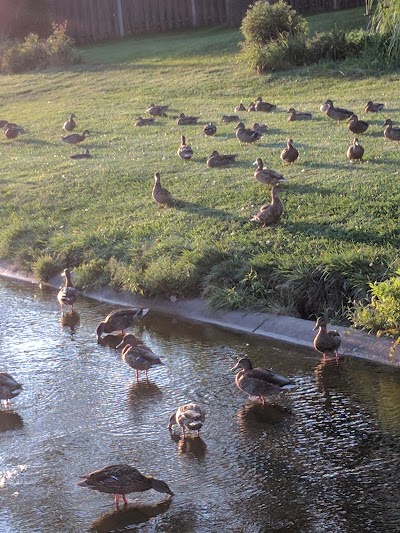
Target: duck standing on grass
[(157, 110), (355, 151), (326, 341), (67, 295), (290, 153), (122, 479), (357, 126), (185, 151), (336, 113), (266, 175), (70, 124), (75, 138), (119, 320), (161, 195), (246, 135), (9, 388), (260, 105), (391, 132), (259, 383), (270, 213), (190, 417)]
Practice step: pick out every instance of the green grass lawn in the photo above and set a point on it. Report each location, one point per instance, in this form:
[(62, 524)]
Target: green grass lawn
[(340, 227)]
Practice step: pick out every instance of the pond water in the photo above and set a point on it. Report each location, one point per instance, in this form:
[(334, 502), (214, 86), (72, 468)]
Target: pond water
[(322, 458)]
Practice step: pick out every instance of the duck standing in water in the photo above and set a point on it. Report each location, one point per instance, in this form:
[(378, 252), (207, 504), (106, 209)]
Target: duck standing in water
[(137, 355), (67, 295), (9, 388), (326, 341), (190, 417), (119, 320), (122, 479), (259, 383)]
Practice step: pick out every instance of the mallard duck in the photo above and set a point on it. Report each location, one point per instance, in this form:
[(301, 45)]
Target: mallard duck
[(70, 124), (261, 128), (9, 388), (251, 107), (326, 341), (260, 105), (122, 479), (391, 132), (75, 138), (298, 115), (11, 132), (137, 355), (373, 108), (355, 151), (160, 194), (220, 160), (186, 120), (336, 113), (210, 129), (120, 319), (290, 153), (67, 295), (357, 126), (140, 121), (259, 382), (84, 155), (247, 135), (157, 110), (190, 417), (185, 151), (266, 175), (269, 214), (239, 108), (229, 118)]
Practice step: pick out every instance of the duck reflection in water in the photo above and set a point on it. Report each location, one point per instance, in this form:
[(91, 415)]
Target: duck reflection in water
[(190, 445), (110, 341), (142, 390), (134, 514), (70, 320), (10, 420), (258, 415), (326, 376)]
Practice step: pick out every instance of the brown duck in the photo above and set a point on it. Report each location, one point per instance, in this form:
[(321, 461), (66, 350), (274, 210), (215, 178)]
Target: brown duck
[(220, 160), (67, 295), (373, 108), (230, 118), (239, 108), (260, 105), (210, 129), (270, 213), (70, 124), (326, 341), (266, 175), (391, 132), (84, 155), (247, 135), (120, 319), (160, 194), (290, 153), (9, 388), (190, 417), (336, 113), (140, 121), (11, 132), (355, 151), (157, 110), (357, 126), (137, 355), (186, 120), (298, 115), (185, 151), (122, 479), (75, 138), (261, 128)]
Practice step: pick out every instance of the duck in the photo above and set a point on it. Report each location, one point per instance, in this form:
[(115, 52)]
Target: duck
[(140, 121), (11, 132), (70, 124), (239, 108), (269, 214), (9, 388), (355, 151), (265, 175), (298, 115), (373, 108), (326, 341), (251, 107), (220, 160), (122, 479), (75, 138), (290, 153), (120, 320), (210, 129), (3, 123), (185, 151), (357, 126), (391, 132), (84, 155), (157, 110), (259, 383), (160, 194), (247, 135), (260, 105), (137, 355), (230, 118), (261, 128), (186, 120), (336, 113), (67, 295), (190, 417)]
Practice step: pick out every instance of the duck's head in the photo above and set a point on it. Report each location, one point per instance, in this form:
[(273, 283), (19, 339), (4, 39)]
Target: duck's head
[(240, 126), (388, 122), (243, 363), (214, 154), (161, 486), (353, 117), (258, 99), (183, 139), (329, 103), (128, 340), (258, 162), (291, 110), (157, 177), (72, 115), (86, 132), (321, 323), (356, 142)]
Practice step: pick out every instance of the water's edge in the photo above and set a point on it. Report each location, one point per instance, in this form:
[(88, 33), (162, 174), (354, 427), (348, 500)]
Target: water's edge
[(292, 330)]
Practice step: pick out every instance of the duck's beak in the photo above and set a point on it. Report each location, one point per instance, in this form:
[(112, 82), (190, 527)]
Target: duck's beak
[(120, 345), (316, 327)]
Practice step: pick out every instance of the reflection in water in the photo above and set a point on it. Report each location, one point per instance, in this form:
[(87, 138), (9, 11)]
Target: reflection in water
[(130, 515), (257, 414), (191, 445), (142, 390), (70, 320), (110, 341), (10, 420)]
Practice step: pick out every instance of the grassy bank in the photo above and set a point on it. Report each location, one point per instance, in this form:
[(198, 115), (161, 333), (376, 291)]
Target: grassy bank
[(340, 228)]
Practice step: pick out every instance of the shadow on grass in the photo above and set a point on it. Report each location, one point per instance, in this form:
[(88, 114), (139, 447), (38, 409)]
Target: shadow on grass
[(208, 211)]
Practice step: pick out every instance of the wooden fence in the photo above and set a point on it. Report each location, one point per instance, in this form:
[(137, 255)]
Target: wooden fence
[(99, 20)]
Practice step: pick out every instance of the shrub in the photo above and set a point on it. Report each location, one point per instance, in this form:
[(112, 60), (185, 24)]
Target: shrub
[(385, 30), (60, 47), (93, 275), (335, 45), (45, 267)]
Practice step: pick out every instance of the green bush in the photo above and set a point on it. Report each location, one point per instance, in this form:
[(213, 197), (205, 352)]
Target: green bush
[(45, 267), (335, 45)]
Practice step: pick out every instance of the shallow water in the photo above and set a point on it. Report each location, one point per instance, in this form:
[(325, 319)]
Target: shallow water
[(322, 458)]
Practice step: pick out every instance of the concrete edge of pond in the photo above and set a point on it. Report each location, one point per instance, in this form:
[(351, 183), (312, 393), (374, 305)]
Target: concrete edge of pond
[(288, 329)]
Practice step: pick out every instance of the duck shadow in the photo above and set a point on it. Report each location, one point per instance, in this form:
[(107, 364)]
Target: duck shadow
[(190, 445), (10, 420), (260, 414), (110, 341), (36, 142), (207, 211), (142, 390), (70, 320), (132, 514), (333, 166)]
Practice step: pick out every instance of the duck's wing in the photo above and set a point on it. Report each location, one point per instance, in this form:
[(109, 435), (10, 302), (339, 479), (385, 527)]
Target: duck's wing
[(268, 376)]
